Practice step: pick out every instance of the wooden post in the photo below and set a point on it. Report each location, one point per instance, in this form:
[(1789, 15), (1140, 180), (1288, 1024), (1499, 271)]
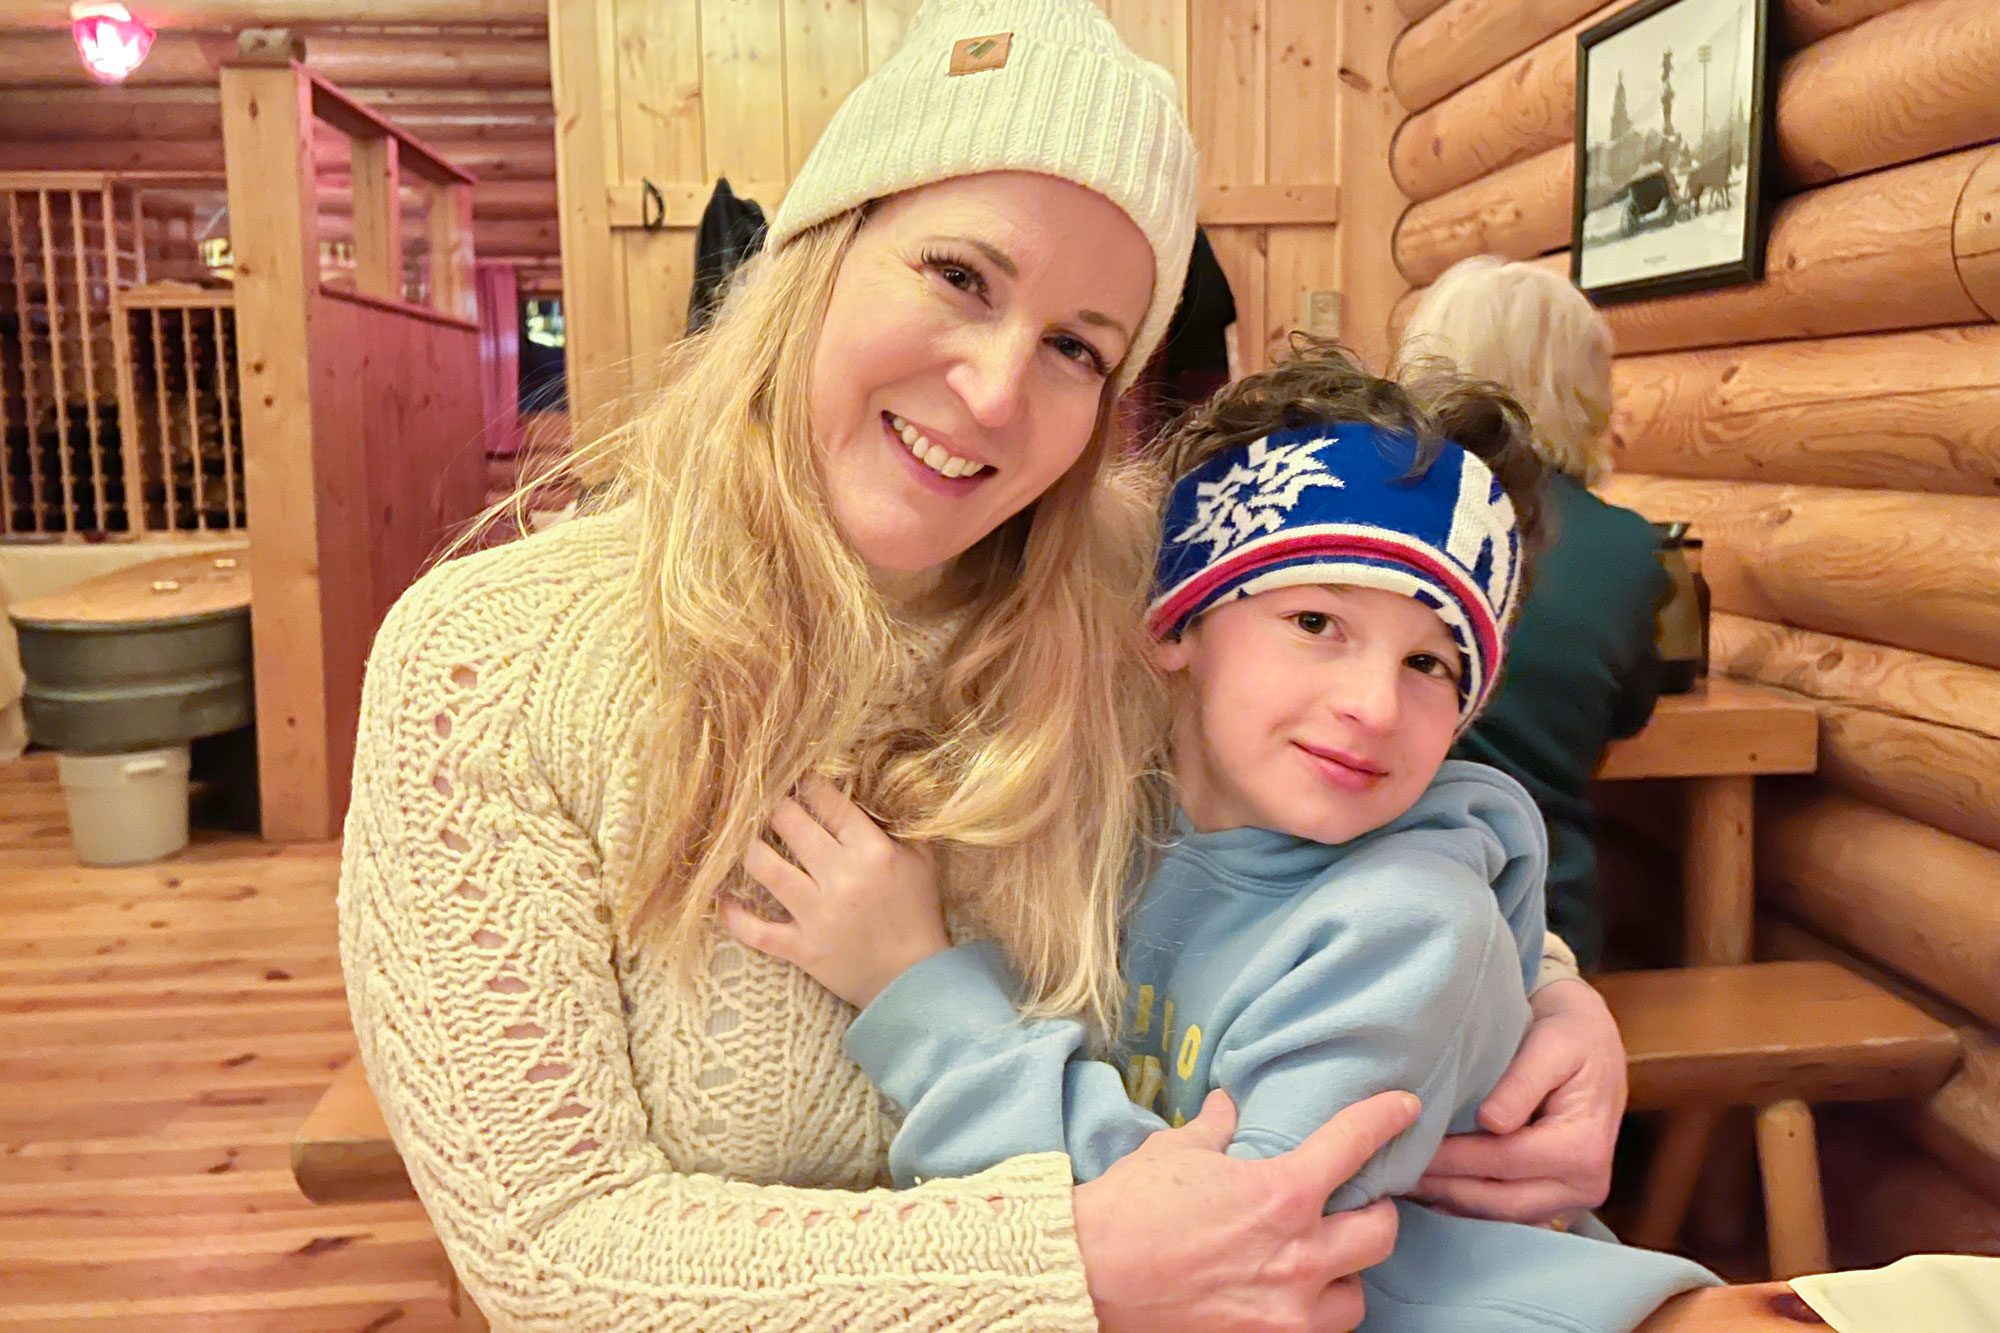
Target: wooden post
[(451, 250), (580, 50), (1369, 282), (1788, 1152), (378, 217), (267, 139), (1671, 1178)]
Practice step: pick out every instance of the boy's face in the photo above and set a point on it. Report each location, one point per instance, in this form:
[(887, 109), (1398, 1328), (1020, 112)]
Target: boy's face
[(1318, 711)]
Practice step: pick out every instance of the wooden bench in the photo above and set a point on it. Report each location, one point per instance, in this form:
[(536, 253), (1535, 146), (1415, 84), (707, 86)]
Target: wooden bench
[(1778, 1037)]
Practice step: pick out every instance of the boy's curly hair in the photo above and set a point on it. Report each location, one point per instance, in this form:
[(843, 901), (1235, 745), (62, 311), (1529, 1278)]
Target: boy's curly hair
[(1430, 401)]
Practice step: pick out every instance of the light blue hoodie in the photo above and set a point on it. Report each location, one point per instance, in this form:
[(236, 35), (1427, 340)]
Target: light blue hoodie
[(1300, 978)]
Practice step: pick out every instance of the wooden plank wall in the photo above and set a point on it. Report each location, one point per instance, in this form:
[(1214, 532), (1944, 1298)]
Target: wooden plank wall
[(701, 88), (1834, 433)]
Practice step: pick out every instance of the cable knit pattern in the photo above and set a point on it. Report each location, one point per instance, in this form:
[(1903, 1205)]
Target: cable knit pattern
[(600, 1145)]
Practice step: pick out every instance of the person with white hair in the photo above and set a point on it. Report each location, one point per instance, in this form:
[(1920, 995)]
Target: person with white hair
[(1583, 669)]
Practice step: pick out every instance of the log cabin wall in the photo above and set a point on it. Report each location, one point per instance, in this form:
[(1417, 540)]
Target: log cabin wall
[(1834, 434), (471, 80), (678, 92)]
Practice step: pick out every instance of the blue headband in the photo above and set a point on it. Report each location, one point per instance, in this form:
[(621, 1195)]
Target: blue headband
[(1334, 503)]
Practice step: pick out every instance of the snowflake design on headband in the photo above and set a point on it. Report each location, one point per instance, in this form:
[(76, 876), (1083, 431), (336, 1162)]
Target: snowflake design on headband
[(1254, 496)]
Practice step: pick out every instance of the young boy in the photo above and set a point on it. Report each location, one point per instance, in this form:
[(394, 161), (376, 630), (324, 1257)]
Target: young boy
[(1340, 911)]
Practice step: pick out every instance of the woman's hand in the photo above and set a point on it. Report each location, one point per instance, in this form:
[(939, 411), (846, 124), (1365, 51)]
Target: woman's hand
[(863, 907), (1570, 1078), (1180, 1236)]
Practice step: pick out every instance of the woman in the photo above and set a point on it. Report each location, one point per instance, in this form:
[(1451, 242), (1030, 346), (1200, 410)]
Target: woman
[(874, 530), (1584, 669)]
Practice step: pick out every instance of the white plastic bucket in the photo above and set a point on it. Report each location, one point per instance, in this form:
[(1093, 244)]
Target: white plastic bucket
[(126, 808)]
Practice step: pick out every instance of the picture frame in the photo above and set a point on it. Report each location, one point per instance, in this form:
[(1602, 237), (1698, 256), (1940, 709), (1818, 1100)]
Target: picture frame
[(1661, 208)]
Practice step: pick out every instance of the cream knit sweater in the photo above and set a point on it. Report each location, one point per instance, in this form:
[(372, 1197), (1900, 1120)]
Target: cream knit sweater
[(599, 1146)]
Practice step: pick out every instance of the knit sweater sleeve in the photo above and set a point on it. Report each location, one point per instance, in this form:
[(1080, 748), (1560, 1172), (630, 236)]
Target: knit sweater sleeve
[(478, 945)]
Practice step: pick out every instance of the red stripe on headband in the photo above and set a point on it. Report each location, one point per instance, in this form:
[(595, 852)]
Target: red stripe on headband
[(1197, 590)]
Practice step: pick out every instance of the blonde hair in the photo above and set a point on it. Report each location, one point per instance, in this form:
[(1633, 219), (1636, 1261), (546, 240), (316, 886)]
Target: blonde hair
[(1528, 330), (1024, 752)]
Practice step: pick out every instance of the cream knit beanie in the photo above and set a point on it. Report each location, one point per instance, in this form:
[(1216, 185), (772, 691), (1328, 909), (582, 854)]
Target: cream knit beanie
[(1015, 85)]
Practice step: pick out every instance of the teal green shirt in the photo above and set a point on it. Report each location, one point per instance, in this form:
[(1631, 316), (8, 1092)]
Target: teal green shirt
[(1581, 672)]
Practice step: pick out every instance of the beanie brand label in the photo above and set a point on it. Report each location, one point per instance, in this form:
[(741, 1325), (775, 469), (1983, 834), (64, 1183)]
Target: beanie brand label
[(976, 55)]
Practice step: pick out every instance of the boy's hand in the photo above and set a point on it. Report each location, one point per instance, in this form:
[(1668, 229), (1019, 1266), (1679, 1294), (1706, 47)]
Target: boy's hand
[(864, 907)]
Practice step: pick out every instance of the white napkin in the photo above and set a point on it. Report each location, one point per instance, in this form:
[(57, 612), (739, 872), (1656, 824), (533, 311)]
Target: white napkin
[(1938, 1293)]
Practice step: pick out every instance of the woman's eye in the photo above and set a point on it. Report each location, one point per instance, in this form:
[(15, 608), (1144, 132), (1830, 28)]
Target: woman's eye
[(1313, 622), (1076, 349), (957, 273)]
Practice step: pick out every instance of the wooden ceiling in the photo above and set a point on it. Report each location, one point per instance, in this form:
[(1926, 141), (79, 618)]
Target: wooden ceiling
[(469, 77)]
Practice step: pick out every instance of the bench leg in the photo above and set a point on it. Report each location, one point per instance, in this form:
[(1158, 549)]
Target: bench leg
[(1671, 1178), (1788, 1154), (465, 1311)]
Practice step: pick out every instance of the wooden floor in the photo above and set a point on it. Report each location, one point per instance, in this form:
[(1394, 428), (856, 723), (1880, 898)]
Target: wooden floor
[(162, 1031)]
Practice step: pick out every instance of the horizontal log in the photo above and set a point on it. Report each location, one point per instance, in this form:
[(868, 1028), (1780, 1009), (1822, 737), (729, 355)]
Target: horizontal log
[(1513, 112), (1909, 84), (1464, 39), (1914, 571), (1960, 1121), (187, 59), (1884, 85), (1898, 249), (1518, 212), (513, 238), (61, 114), (1412, 10), (1517, 110), (1916, 411), (308, 15), (1922, 902), (1858, 674), (489, 160), (1913, 734), (516, 201), (1946, 777)]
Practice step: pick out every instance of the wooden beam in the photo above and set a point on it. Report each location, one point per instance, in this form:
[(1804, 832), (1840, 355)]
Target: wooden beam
[(1872, 97), (439, 60), (358, 121), (1915, 571), (305, 15), (489, 160), (378, 216), (89, 115), (598, 361), (1921, 901), (1915, 411), (452, 291), (1463, 39), (1369, 282), (267, 123)]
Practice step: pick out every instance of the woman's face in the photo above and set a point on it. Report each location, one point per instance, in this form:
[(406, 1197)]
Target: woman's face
[(972, 331)]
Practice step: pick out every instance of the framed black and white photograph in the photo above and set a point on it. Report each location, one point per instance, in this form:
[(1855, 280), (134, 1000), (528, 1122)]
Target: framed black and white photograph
[(1672, 110)]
